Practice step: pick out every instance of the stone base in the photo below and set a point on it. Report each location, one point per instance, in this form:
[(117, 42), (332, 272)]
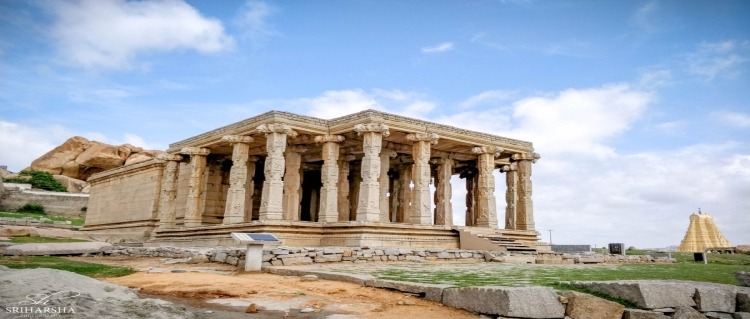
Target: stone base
[(312, 234), (130, 231)]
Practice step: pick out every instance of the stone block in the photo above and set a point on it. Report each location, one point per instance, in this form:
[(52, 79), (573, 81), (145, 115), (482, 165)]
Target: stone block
[(232, 260), (742, 315), (585, 306), (718, 315), (43, 249), (520, 259), (521, 302), (642, 314), (445, 255), (379, 252), (220, 257), (743, 278), (687, 313), (352, 278), (646, 294), (391, 252), (430, 292), (721, 298), (743, 300), (290, 261), (347, 253), (589, 259)]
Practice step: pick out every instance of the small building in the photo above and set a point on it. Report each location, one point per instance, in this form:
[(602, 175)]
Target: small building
[(702, 235), (359, 180)]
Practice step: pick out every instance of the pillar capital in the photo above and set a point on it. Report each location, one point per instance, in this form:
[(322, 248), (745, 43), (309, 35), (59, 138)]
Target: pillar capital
[(232, 139), (372, 127), (423, 137), (509, 168), (169, 157), (494, 150), (533, 157), (388, 153), (279, 128), (193, 151), (329, 138)]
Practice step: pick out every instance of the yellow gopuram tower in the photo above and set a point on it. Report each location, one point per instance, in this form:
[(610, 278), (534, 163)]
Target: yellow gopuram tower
[(702, 234)]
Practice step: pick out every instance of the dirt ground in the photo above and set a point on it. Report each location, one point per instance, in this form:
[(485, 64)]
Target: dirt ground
[(214, 289)]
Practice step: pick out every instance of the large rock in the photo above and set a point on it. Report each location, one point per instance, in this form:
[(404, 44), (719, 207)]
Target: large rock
[(136, 158), (743, 277), (743, 300), (432, 292), (642, 314), (712, 297), (647, 294), (521, 302), (585, 306), (104, 156), (687, 313), (80, 297), (58, 249), (54, 160), (17, 231), (71, 184)]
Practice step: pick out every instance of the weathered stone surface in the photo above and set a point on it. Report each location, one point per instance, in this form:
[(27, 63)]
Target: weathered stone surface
[(647, 294), (687, 313), (137, 158), (585, 306), (743, 300), (718, 315), (58, 248), (12, 232), (71, 184), (715, 298), (522, 302), (743, 277), (291, 261), (103, 156), (742, 315), (642, 314), (54, 160), (431, 292)]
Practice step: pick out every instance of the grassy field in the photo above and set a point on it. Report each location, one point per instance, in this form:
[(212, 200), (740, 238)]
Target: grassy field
[(73, 221), (83, 268)]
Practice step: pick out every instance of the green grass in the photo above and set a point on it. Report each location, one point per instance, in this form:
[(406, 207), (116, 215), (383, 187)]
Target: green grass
[(74, 221), (39, 239), (79, 267)]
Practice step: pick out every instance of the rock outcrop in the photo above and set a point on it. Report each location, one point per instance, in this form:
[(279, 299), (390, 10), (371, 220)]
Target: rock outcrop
[(78, 158)]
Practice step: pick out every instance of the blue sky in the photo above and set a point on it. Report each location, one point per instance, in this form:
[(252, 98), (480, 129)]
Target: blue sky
[(638, 108)]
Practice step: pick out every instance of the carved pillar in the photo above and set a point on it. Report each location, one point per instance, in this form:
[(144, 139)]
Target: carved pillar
[(443, 192), (385, 184), (167, 205), (292, 182), (511, 195), (249, 188), (404, 206), (469, 175), (329, 176), (421, 211), (234, 208), (485, 209), (525, 208), (194, 209), (343, 188), (273, 188), (368, 203)]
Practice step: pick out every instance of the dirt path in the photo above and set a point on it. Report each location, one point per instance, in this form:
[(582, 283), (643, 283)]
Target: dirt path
[(278, 296)]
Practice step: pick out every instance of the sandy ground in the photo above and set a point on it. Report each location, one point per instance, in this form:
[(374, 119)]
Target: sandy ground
[(215, 291)]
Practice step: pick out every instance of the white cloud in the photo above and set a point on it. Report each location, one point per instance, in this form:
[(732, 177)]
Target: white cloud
[(734, 119), (438, 48), (655, 78), (717, 59), (671, 127), (21, 144), (110, 34), (487, 97), (333, 104), (253, 20)]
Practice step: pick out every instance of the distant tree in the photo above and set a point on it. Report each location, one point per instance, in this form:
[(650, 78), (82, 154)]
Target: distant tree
[(44, 180)]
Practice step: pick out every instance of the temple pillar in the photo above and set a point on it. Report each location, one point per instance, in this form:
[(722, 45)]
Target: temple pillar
[(385, 184), (250, 188), (368, 203), (343, 188), (273, 188), (511, 195), (329, 176), (525, 208), (234, 207), (443, 192), (194, 209), (292, 182), (485, 210), (421, 211), (167, 204), (404, 203), (469, 175)]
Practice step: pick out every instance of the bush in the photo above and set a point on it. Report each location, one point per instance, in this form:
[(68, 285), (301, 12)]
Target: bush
[(17, 180), (44, 180), (32, 208)]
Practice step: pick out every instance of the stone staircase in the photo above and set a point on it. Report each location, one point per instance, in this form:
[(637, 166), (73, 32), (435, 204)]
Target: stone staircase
[(474, 238)]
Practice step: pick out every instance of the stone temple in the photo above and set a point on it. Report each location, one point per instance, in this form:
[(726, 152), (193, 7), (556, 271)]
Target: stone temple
[(702, 234), (365, 179)]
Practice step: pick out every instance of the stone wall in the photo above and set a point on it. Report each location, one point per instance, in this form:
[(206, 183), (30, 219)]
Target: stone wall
[(571, 248), (57, 204)]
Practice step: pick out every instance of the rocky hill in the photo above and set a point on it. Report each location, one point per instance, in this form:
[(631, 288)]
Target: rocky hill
[(78, 158)]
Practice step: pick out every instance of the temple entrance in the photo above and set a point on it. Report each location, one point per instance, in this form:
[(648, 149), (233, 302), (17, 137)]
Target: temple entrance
[(311, 184)]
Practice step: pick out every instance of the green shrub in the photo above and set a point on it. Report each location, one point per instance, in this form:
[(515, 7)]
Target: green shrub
[(17, 180), (32, 208), (44, 180), (84, 209)]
